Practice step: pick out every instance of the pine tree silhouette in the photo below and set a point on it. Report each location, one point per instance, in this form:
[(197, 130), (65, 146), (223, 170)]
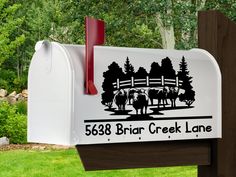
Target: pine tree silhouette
[(129, 69), (189, 95), (183, 75), (183, 69)]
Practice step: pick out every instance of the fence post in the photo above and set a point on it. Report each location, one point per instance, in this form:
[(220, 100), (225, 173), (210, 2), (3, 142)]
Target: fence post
[(117, 83), (177, 81), (162, 81), (147, 80), (132, 81)]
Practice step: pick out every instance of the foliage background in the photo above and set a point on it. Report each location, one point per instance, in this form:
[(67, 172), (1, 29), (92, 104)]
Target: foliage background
[(13, 122), (130, 23)]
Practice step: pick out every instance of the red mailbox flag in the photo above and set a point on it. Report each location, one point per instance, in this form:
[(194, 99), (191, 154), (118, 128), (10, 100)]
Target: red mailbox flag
[(95, 35)]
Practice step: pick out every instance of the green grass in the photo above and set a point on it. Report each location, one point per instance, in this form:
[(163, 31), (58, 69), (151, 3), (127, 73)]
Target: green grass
[(66, 163)]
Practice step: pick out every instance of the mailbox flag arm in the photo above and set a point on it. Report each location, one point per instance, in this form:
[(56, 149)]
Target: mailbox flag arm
[(95, 35)]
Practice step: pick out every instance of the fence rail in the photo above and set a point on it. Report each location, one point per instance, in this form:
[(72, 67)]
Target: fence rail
[(147, 82)]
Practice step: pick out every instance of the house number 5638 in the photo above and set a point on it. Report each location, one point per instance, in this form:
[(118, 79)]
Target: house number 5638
[(99, 129)]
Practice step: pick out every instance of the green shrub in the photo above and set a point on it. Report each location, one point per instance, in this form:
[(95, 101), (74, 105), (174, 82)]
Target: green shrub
[(7, 79), (13, 124), (21, 107), (10, 82), (19, 84)]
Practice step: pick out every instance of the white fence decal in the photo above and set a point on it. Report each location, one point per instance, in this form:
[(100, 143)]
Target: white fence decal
[(147, 82)]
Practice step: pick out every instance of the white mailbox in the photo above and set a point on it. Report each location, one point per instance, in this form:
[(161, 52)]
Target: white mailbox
[(143, 95)]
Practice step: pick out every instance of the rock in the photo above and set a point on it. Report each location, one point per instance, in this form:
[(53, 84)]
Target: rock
[(3, 93), (20, 97), (4, 141), (11, 99), (12, 94), (61, 147), (3, 99), (25, 93), (38, 147)]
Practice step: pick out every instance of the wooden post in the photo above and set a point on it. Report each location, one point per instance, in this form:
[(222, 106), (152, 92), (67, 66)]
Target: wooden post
[(217, 34)]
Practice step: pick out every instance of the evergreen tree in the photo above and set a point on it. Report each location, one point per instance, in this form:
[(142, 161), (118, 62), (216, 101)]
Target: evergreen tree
[(189, 95), (129, 69), (183, 69), (183, 75)]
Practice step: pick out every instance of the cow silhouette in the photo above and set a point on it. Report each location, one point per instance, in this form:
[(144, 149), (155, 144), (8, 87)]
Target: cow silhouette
[(121, 99), (173, 95), (131, 95), (140, 101), (160, 94)]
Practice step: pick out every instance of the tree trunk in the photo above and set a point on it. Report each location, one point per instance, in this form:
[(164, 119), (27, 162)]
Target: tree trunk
[(198, 5), (167, 33), (18, 63)]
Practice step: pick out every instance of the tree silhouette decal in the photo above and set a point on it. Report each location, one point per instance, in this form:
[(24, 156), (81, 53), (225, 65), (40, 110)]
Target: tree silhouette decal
[(155, 71), (129, 69), (140, 94), (167, 68), (189, 95), (141, 73), (110, 76)]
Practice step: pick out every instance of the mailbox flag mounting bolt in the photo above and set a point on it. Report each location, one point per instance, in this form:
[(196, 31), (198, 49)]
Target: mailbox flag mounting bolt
[(95, 35)]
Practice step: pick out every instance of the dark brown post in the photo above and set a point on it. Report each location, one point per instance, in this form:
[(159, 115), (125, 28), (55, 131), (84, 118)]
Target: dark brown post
[(217, 34)]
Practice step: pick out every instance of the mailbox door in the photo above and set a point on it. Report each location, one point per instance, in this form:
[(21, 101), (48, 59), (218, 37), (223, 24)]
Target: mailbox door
[(50, 95)]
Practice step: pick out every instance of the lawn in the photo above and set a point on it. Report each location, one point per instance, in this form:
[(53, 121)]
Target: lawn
[(66, 163)]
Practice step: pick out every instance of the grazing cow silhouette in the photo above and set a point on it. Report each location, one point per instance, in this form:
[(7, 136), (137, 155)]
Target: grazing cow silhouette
[(159, 94), (131, 95), (173, 95), (121, 99), (140, 101)]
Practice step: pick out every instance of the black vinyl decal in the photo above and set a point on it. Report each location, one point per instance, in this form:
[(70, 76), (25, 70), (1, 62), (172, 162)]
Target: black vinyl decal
[(141, 94)]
